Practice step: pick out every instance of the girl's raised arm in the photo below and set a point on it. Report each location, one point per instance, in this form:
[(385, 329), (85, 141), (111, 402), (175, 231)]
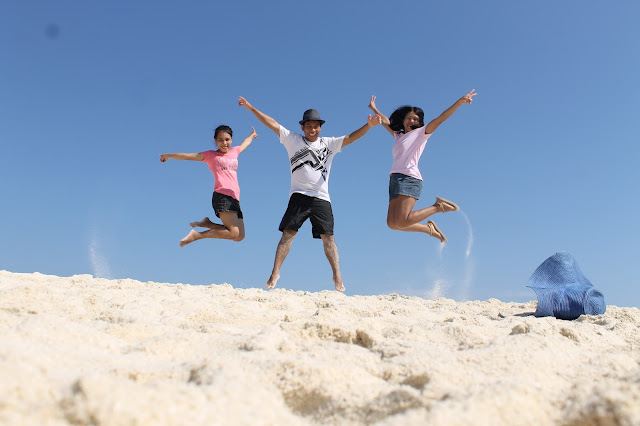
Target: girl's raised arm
[(436, 122), (385, 119), (245, 143)]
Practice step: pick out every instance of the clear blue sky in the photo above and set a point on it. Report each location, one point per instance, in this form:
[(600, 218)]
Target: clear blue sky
[(544, 160)]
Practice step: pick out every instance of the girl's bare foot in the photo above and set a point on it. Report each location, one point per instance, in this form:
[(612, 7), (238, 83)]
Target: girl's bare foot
[(272, 282), (204, 223), (191, 237)]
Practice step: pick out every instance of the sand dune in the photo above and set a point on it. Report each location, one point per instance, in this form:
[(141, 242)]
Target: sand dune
[(83, 350)]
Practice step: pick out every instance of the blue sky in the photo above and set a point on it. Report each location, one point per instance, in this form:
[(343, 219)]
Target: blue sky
[(544, 160)]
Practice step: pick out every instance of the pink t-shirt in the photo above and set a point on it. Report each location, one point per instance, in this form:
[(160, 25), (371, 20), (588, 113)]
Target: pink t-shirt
[(225, 171), (407, 150)]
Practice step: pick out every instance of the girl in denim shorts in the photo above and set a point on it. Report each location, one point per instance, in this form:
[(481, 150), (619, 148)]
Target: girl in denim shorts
[(407, 127)]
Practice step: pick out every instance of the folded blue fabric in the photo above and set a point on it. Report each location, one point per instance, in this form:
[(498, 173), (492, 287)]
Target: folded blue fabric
[(563, 291)]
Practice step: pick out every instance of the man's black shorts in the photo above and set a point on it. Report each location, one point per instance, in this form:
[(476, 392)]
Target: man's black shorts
[(225, 203), (302, 207)]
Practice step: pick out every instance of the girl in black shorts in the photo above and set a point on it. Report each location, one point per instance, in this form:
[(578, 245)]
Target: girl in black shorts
[(223, 163)]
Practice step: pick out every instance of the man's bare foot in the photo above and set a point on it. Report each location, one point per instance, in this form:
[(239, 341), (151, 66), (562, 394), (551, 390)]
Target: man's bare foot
[(204, 223), (191, 237), (272, 282), (339, 286)]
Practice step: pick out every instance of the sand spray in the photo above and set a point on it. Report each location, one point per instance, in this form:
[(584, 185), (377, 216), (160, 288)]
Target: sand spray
[(99, 264), (440, 284), (438, 289), (470, 231)]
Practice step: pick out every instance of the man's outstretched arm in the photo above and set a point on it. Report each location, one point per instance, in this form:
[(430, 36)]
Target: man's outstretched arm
[(371, 122), (264, 118)]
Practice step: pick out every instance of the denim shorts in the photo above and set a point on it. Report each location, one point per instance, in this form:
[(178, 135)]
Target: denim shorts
[(224, 203), (400, 184)]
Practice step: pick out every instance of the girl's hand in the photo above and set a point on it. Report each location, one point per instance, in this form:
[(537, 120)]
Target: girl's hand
[(372, 104), (253, 133), (468, 98)]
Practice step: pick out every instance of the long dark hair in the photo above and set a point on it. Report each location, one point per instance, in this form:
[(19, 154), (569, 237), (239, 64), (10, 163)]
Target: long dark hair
[(222, 128), (397, 117)]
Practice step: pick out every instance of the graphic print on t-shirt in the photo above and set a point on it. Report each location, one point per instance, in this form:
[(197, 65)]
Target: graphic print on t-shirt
[(227, 163), (314, 159)]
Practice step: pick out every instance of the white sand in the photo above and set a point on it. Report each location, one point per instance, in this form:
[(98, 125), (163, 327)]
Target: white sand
[(82, 350)]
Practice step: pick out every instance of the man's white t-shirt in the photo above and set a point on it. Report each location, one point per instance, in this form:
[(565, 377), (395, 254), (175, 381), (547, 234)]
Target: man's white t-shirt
[(310, 162)]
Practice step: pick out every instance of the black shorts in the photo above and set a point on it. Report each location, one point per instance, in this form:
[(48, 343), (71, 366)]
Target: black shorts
[(302, 207), (225, 203)]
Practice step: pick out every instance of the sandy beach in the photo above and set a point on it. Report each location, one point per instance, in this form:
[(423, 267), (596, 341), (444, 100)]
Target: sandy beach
[(84, 350)]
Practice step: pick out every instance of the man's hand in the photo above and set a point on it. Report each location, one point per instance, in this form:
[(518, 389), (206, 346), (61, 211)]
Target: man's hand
[(374, 121), (245, 103)]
